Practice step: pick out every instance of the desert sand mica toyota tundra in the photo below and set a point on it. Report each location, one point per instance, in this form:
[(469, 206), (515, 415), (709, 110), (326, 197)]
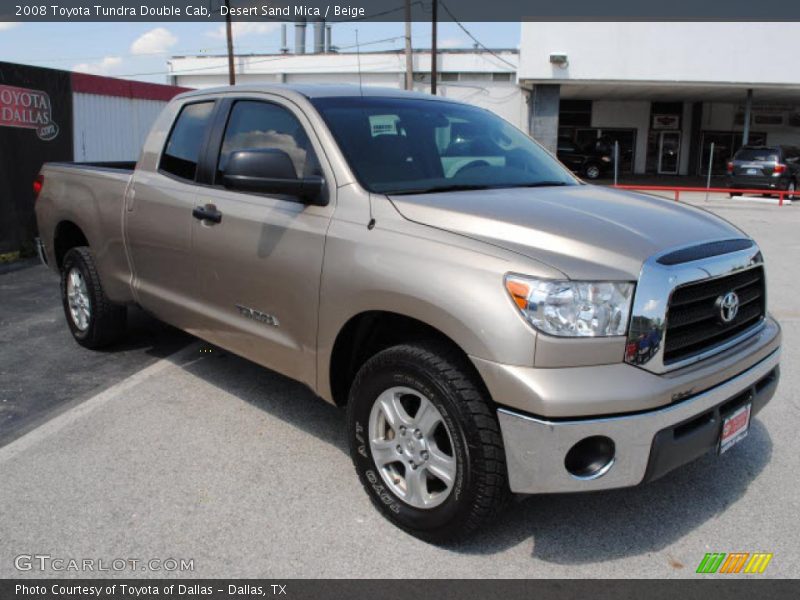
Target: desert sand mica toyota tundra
[(492, 324)]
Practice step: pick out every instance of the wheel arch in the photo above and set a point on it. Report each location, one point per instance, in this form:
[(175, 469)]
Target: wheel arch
[(367, 333), (67, 235)]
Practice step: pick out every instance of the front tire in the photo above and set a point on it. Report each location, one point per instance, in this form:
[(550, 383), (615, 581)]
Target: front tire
[(425, 441), (93, 319), (592, 171)]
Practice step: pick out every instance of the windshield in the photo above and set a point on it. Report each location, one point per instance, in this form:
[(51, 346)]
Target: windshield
[(757, 154), (409, 145)]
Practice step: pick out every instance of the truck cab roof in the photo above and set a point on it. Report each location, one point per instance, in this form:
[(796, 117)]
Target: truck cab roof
[(320, 90)]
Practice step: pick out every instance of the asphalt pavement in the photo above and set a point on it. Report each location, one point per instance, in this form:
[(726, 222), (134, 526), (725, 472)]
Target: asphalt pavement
[(42, 371), (202, 456)]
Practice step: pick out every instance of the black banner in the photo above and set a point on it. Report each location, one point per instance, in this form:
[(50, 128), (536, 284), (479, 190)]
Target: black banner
[(35, 127), (400, 589), (394, 10)]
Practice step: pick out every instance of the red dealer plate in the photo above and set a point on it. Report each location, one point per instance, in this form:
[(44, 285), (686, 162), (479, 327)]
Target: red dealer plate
[(735, 428)]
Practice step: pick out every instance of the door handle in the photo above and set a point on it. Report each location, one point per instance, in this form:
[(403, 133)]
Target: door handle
[(208, 212)]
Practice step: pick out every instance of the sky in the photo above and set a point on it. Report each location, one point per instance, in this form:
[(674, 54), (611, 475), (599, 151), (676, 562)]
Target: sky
[(141, 50)]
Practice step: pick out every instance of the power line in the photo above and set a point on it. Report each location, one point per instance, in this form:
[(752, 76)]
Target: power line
[(474, 39)]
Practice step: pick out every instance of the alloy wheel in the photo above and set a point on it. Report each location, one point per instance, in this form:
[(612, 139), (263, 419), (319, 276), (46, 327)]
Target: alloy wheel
[(412, 447), (80, 308)]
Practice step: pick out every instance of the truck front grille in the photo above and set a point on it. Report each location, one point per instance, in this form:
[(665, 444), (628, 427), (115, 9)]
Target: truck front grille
[(694, 324)]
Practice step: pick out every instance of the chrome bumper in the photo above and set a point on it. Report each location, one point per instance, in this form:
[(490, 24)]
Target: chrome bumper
[(536, 448)]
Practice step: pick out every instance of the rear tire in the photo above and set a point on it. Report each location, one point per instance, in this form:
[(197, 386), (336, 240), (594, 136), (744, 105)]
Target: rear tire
[(93, 319), (464, 473)]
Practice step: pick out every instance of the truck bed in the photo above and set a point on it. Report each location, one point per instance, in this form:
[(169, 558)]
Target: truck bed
[(88, 196)]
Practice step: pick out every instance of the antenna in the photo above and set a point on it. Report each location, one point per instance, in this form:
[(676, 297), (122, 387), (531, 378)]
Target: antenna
[(358, 58)]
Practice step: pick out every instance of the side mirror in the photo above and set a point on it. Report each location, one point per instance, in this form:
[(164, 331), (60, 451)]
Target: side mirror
[(270, 171)]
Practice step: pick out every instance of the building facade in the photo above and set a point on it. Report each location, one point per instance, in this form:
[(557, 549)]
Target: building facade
[(664, 91), (487, 79)]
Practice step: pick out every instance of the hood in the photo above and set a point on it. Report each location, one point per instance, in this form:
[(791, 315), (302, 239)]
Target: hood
[(584, 231)]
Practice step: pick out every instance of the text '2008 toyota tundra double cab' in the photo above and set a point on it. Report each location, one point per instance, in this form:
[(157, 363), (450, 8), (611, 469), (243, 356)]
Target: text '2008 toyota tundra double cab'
[(492, 324)]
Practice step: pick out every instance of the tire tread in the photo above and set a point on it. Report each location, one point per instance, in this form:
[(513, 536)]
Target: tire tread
[(489, 468), (108, 319)]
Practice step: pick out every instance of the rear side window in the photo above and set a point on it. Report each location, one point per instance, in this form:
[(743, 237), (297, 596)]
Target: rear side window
[(758, 154), (186, 140), (256, 125)]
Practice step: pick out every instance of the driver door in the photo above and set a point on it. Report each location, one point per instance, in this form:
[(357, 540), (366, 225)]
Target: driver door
[(258, 269)]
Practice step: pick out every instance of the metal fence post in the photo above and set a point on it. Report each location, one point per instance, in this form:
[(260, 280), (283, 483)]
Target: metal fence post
[(616, 162), (710, 163)]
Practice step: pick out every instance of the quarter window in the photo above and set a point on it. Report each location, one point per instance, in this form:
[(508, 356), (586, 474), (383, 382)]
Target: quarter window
[(257, 125), (186, 140)]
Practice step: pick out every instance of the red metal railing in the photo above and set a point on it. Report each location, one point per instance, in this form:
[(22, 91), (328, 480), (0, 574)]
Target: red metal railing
[(678, 190)]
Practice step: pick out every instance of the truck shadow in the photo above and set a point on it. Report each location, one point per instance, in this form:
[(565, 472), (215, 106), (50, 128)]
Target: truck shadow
[(563, 528), (271, 392)]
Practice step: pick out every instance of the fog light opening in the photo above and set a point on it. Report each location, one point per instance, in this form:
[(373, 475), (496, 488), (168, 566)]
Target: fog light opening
[(590, 458)]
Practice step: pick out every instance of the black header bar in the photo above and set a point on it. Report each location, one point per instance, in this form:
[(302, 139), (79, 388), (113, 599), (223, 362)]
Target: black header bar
[(393, 10)]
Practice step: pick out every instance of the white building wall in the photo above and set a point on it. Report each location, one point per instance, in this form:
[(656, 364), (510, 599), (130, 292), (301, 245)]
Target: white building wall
[(475, 85), (662, 52), (95, 117)]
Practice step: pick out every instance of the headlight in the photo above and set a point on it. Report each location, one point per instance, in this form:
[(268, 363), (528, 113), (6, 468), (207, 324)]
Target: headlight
[(572, 308)]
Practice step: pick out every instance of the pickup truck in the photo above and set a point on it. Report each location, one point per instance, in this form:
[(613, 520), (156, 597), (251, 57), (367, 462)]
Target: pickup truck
[(492, 324)]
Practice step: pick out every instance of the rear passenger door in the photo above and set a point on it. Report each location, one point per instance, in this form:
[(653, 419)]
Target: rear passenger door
[(792, 160), (258, 269), (158, 219), (569, 155)]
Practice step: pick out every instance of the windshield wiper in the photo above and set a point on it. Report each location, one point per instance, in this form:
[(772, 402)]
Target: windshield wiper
[(460, 187), (542, 184), (456, 187)]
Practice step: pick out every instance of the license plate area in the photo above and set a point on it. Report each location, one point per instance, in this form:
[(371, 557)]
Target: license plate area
[(735, 427)]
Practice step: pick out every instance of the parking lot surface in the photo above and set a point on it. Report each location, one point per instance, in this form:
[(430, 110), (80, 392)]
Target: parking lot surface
[(42, 372), (202, 455)]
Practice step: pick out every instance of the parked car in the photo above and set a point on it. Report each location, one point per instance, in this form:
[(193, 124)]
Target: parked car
[(765, 168), (591, 162), (491, 324)]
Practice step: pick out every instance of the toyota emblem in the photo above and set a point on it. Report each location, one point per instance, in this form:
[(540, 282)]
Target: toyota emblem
[(728, 307)]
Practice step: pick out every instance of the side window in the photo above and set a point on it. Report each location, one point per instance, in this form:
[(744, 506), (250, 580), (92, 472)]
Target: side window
[(186, 140), (256, 125), (565, 147)]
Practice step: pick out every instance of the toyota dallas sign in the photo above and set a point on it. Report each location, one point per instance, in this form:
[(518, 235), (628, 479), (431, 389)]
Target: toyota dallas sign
[(27, 109)]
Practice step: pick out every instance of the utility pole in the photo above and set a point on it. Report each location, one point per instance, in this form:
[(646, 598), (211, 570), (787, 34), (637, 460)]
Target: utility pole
[(229, 35), (409, 58), (434, 51)]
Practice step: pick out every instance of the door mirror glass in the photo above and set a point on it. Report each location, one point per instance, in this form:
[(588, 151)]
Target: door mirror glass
[(269, 171)]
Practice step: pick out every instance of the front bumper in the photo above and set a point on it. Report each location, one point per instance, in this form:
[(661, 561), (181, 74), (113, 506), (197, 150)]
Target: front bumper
[(646, 444)]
